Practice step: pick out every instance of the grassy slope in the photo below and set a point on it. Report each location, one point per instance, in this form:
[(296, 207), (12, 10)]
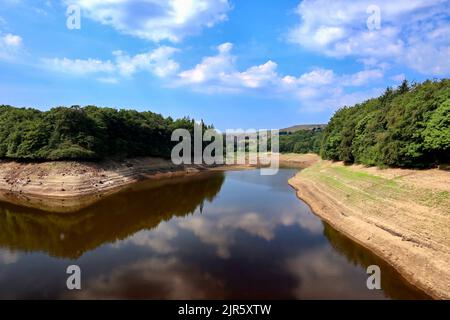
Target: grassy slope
[(358, 184)]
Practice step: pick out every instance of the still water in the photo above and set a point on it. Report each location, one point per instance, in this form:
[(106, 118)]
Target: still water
[(216, 235)]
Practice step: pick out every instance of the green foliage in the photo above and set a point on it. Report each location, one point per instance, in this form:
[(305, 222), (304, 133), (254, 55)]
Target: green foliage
[(437, 131), (85, 133), (302, 141), (406, 127)]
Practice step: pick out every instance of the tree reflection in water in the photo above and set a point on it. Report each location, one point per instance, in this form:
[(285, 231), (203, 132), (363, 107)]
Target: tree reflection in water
[(233, 235), (113, 218)]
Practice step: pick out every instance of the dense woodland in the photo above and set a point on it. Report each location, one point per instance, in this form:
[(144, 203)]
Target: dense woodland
[(88, 133), (405, 127), (302, 141)]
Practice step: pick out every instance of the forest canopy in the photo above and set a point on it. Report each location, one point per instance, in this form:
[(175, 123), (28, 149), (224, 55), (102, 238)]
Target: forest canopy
[(88, 133), (405, 127), (301, 141)]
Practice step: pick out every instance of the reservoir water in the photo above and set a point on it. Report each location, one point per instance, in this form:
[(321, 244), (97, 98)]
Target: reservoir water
[(232, 234)]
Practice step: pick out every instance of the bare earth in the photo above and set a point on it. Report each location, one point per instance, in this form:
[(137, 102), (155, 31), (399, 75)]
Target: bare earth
[(67, 186), (401, 215)]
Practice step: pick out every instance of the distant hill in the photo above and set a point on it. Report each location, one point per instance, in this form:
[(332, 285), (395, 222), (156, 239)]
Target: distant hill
[(302, 127)]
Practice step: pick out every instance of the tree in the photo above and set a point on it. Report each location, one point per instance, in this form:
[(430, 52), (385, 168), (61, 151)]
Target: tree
[(402, 128), (85, 133)]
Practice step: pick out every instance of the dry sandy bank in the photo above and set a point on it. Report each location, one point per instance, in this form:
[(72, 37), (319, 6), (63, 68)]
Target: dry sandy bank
[(403, 216), (67, 186)]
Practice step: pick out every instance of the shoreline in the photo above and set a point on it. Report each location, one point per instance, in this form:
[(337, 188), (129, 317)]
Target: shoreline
[(355, 200), (68, 186), (400, 236)]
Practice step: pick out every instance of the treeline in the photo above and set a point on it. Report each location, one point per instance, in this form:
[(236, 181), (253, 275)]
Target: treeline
[(302, 141), (88, 133), (405, 127)]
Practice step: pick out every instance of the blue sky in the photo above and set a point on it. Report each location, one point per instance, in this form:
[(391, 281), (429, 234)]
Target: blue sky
[(234, 63)]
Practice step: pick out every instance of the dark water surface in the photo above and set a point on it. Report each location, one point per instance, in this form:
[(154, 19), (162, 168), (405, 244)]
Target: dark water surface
[(215, 235)]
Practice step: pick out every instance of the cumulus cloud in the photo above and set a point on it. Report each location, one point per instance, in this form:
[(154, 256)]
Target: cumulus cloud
[(413, 32), (156, 20), (80, 66), (211, 67), (219, 73), (317, 87), (314, 78), (10, 46), (157, 62), (363, 77), (11, 40)]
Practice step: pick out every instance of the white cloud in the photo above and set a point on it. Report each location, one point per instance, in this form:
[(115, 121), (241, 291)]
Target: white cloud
[(108, 80), (80, 66), (12, 40), (211, 68), (313, 78), (219, 73), (318, 89), (413, 32), (362, 77), (333, 97), (11, 46), (156, 20), (157, 62)]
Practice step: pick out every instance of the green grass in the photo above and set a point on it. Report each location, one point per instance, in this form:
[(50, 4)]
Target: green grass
[(357, 186), (350, 174)]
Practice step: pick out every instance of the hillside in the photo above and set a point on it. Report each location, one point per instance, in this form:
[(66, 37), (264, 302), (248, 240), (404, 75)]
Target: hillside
[(299, 127)]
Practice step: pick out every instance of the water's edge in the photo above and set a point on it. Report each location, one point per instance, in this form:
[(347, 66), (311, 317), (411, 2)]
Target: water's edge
[(331, 231), (348, 232)]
